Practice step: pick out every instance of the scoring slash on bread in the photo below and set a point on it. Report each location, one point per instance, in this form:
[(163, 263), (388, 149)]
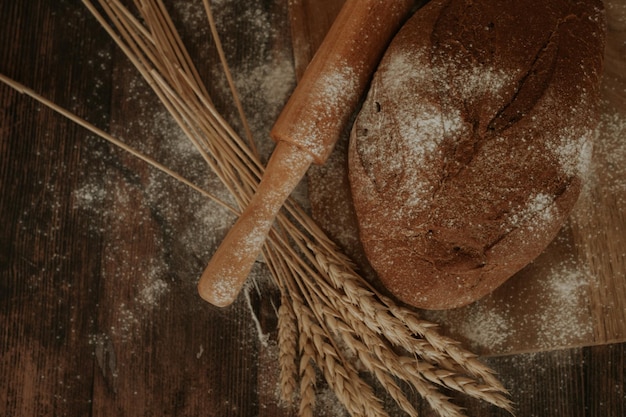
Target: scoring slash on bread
[(470, 149)]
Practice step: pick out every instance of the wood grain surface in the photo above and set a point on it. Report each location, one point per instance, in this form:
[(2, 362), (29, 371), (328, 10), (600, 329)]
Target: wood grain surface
[(100, 254)]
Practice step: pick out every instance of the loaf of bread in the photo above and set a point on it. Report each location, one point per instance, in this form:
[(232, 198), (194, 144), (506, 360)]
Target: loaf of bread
[(470, 149)]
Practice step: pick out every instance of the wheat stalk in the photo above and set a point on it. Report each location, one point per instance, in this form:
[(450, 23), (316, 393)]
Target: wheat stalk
[(341, 375), (287, 348), (330, 317)]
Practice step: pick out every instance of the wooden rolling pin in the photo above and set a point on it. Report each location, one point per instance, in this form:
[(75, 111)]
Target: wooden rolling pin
[(314, 118)]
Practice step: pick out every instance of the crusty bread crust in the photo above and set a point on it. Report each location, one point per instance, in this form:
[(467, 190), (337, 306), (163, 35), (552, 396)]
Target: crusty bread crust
[(468, 154)]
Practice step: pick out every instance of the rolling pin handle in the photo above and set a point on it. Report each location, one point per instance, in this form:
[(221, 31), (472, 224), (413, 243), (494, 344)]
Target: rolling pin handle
[(315, 117), (231, 264)]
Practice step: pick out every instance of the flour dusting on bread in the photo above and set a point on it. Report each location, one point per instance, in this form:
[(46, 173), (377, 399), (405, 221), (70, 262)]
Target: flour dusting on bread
[(472, 145)]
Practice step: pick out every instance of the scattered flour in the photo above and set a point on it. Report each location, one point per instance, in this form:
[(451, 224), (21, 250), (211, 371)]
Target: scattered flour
[(327, 404), (264, 81), (487, 327), (612, 150), (562, 322), (89, 195), (151, 294), (263, 337)]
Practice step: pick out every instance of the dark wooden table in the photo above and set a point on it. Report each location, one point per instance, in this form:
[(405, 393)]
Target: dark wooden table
[(100, 253)]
